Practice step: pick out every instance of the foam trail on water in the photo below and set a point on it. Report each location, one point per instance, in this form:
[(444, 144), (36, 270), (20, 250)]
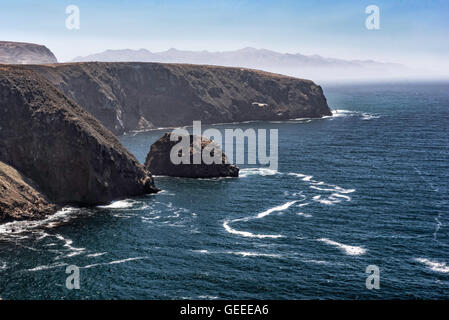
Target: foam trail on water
[(68, 244), (47, 267), (93, 255), (246, 233), (259, 216), (278, 208), (254, 254), (369, 116), (433, 265), (349, 250), (113, 262)]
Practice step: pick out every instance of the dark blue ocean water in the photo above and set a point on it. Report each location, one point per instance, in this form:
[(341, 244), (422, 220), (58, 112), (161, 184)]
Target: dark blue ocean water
[(368, 186)]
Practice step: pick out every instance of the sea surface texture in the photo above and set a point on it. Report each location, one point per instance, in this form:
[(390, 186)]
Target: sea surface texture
[(367, 186)]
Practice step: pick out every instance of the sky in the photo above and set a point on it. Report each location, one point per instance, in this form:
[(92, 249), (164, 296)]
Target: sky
[(412, 32)]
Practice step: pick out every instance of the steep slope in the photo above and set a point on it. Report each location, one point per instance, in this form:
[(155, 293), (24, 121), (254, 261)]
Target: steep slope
[(136, 96), (19, 198), (25, 53), (62, 148)]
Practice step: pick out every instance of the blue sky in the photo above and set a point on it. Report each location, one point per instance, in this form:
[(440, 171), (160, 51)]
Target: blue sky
[(411, 31)]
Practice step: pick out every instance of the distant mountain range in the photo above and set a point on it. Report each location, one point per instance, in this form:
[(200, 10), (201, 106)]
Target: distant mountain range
[(305, 66)]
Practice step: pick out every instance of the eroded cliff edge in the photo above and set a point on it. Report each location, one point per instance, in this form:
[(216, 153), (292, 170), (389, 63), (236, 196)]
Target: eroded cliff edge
[(136, 96), (59, 146), (25, 53), (20, 197)]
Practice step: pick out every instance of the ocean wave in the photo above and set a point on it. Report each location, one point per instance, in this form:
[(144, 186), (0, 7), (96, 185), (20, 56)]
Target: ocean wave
[(257, 171), (342, 113), (349, 250), (17, 227), (120, 204), (433, 265)]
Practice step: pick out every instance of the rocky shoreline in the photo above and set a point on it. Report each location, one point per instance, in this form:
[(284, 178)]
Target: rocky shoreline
[(61, 148), (130, 96), (58, 124)]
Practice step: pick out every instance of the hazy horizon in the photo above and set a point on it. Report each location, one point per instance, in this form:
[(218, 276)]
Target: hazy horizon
[(412, 33)]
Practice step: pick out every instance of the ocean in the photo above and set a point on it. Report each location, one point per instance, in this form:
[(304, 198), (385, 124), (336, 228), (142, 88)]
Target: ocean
[(366, 187)]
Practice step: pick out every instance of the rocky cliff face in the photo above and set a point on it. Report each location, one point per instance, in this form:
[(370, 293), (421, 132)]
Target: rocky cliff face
[(20, 198), (62, 148), (159, 162), (136, 96), (25, 53)]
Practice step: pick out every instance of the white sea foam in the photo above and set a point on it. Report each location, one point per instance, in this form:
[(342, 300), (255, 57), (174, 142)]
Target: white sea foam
[(259, 216), (369, 116), (17, 227), (305, 215), (329, 201), (277, 208), (98, 254), (433, 265), (121, 204), (113, 262), (208, 297), (254, 254), (342, 113), (200, 251), (49, 266), (68, 244), (322, 262), (349, 250), (257, 171), (347, 198), (248, 234)]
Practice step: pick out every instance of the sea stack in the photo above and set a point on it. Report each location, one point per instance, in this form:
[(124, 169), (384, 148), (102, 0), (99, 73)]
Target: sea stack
[(54, 142), (159, 163)]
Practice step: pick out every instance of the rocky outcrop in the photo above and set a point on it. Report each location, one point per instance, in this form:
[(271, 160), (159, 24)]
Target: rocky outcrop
[(158, 160), (25, 53), (136, 96), (19, 197), (54, 142)]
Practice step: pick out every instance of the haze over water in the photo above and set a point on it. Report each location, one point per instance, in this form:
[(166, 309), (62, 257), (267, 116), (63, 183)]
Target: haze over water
[(368, 186)]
